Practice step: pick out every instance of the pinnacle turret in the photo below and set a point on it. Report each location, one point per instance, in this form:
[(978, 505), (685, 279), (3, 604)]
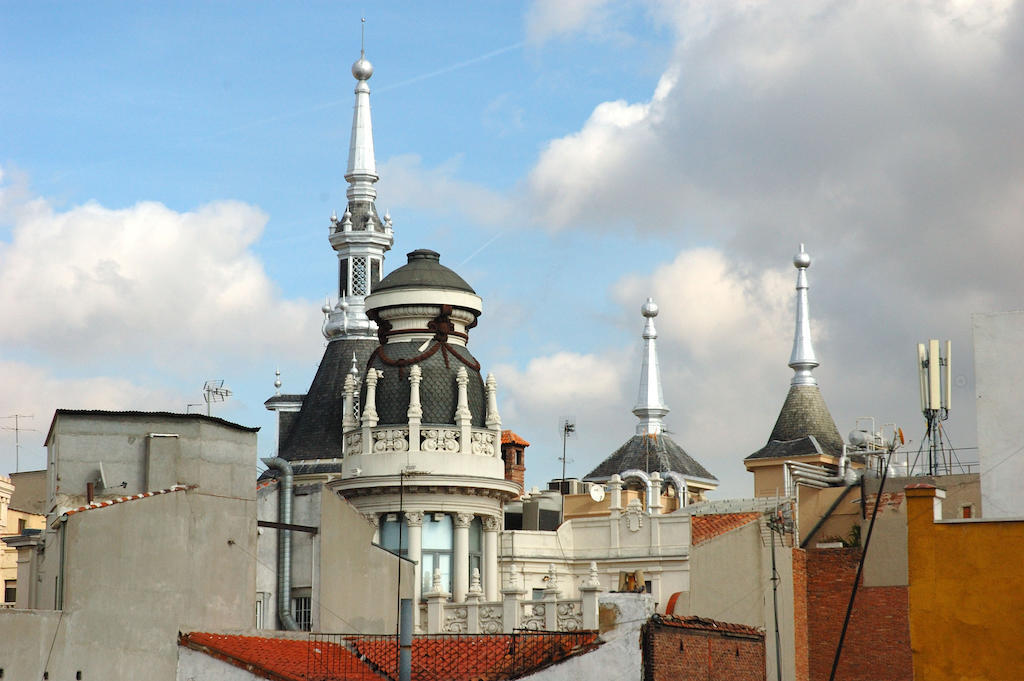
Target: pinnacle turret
[(650, 402)]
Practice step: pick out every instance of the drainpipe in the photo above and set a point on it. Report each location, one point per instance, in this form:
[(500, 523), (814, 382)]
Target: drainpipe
[(284, 544), (641, 475)]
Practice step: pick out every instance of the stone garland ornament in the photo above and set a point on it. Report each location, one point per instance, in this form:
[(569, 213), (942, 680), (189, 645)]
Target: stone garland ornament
[(491, 619), (570, 616), (391, 440), (483, 444), (440, 440)]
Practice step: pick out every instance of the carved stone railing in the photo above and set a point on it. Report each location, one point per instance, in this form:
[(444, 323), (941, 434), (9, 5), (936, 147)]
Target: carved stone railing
[(474, 616), (440, 439)]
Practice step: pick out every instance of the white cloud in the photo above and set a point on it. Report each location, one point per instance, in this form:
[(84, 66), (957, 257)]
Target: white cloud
[(547, 20), (144, 280)]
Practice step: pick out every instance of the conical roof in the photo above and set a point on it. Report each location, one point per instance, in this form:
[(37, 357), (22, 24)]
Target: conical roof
[(649, 453), (804, 414)]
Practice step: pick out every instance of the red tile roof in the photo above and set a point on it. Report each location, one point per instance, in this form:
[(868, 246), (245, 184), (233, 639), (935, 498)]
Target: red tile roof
[(705, 527), (510, 438), (328, 657), (705, 624), (133, 497)]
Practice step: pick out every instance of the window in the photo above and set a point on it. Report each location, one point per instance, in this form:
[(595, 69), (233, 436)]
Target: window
[(967, 511), (519, 457), (21, 526), (10, 590), (394, 533), (343, 278), (302, 611), (476, 560), (436, 551), (374, 273)]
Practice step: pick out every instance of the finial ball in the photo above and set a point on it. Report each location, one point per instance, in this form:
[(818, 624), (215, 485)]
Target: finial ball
[(649, 309), (362, 69), (802, 260)]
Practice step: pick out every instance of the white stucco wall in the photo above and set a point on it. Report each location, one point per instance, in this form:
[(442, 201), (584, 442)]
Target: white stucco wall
[(999, 385), (196, 666)]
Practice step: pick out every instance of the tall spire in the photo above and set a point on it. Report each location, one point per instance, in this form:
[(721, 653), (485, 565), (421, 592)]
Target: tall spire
[(802, 360), (361, 237), (361, 173), (650, 403)]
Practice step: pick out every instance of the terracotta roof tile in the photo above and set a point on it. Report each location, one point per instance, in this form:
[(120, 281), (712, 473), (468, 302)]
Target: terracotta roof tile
[(705, 624), (705, 527), (362, 658), (133, 497), (510, 438)]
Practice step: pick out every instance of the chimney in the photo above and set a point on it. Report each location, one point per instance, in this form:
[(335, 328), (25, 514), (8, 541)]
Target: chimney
[(513, 454)]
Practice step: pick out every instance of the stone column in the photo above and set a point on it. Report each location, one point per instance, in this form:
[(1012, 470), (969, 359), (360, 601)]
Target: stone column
[(551, 594), (370, 409), (436, 598), (590, 590), (460, 557), (415, 412), (374, 520), (348, 419), (414, 519), (463, 417), (492, 525), (615, 492), (654, 505)]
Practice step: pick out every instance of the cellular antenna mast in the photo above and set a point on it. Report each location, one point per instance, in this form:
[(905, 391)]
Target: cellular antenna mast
[(934, 373), (568, 428), (17, 428)]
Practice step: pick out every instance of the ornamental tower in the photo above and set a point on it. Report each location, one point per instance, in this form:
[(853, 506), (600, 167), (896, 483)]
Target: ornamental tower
[(310, 425), (422, 458), (651, 449), (804, 431)]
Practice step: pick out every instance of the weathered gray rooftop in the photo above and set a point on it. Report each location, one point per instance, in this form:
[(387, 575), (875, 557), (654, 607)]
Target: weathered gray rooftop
[(316, 431), (423, 270), (649, 453), (803, 414)]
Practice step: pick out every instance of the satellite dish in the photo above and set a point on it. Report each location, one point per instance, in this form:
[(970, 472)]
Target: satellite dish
[(597, 493)]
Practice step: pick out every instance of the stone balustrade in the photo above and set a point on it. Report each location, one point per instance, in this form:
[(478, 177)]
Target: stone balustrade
[(430, 439)]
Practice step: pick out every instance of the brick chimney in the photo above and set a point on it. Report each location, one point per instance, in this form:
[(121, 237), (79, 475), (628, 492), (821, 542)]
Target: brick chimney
[(512, 453)]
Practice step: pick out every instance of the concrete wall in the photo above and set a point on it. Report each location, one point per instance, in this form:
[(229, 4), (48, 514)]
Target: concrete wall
[(134, 574), (196, 666), (29, 491), (352, 569), (966, 593), (218, 456), (999, 382), (730, 582)]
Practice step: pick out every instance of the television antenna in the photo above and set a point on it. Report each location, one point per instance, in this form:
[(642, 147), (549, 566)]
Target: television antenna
[(17, 428), (935, 374), (214, 391), (567, 426)]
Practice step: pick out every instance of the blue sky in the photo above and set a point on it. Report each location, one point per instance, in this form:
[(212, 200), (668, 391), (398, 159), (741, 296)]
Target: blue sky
[(169, 171)]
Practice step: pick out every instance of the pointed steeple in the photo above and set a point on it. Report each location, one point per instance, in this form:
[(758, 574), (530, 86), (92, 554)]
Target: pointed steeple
[(361, 237), (802, 359), (650, 402)]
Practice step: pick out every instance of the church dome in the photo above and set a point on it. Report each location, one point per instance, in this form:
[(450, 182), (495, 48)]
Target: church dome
[(424, 270)]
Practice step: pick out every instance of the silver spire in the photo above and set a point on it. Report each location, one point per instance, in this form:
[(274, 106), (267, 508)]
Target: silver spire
[(802, 360), (362, 166), (650, 403), (360, 238)]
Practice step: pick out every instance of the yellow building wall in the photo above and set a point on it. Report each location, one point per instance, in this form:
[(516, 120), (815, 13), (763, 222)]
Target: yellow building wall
[(966, 593)]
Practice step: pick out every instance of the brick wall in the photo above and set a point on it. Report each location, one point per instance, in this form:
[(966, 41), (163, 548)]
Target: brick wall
[(678, 654), (877, 646), (516, 472)]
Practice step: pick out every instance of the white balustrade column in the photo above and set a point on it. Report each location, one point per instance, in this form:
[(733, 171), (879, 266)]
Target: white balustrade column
[(370, 408), (463, 416), (460, 557), (414, 519), (492, 525), (415, 411)]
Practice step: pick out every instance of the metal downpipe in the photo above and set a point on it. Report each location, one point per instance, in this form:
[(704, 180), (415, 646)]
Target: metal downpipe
[(284, 544)]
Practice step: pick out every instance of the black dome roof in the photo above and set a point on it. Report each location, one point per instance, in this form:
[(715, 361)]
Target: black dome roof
[(423, 271)]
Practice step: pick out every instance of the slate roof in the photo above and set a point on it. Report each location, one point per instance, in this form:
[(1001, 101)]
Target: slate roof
[(649, 453), (316, 432), (803, 414), (366, 658), (705, 527), (438, 390), (423, 271)]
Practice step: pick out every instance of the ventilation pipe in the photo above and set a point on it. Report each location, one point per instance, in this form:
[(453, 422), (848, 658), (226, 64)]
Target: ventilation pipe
[(679, 482), (284, 544), (638, 474), (815, 476)]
